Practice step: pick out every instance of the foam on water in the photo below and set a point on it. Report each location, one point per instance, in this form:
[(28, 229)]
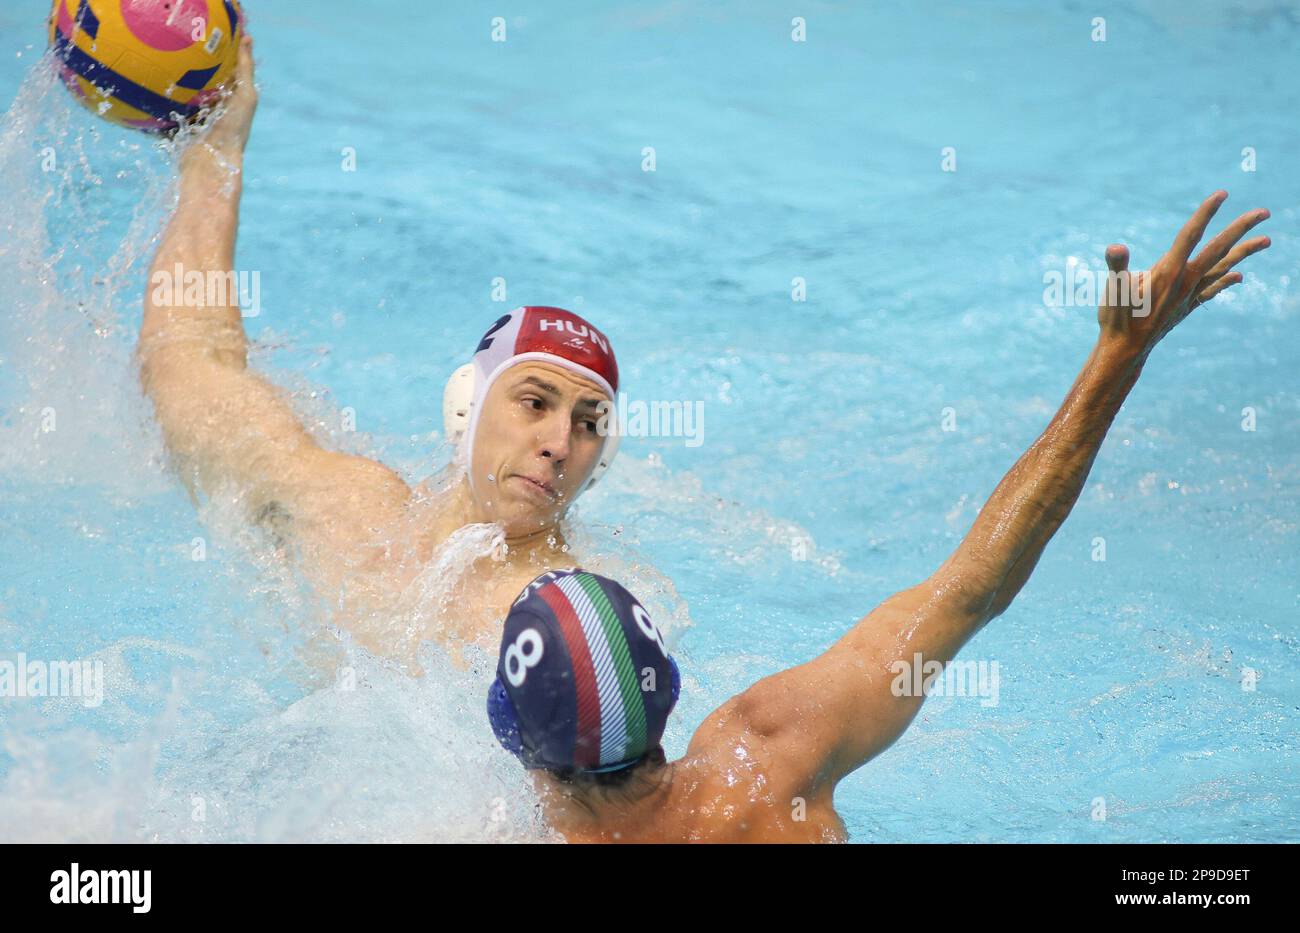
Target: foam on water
[(1121, 679), (252, 717)]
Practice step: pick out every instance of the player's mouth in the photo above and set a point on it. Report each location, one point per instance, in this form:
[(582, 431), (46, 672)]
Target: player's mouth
[(536, 487)]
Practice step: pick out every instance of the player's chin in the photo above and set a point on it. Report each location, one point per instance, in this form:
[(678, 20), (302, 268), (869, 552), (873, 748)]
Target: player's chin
[(525, 517)]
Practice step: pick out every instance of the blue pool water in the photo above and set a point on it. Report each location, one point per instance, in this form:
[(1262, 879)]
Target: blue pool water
[(1121, 681)]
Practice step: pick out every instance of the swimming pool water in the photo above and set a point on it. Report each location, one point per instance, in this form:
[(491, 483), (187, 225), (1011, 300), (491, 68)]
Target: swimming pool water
[(1121, 680)]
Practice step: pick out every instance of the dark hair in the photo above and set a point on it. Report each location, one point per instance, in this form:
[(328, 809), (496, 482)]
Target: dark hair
[(610, 779)]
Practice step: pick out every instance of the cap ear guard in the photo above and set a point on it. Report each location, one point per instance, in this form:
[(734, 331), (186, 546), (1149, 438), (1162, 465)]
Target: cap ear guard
[(458, 399), (504, 718), (608, 451)]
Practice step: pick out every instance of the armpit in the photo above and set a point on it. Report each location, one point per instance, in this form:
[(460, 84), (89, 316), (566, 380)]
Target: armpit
[(275, 519)]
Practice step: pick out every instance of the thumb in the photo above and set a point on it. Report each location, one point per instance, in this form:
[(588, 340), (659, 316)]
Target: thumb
[(1117, 281), (1117, 257), (244, 66)]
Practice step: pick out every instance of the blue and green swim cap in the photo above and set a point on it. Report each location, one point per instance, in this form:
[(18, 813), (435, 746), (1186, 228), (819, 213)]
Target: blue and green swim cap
[(584, 682)]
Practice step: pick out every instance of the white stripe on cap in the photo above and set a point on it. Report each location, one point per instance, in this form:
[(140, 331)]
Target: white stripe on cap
[(613, 721)]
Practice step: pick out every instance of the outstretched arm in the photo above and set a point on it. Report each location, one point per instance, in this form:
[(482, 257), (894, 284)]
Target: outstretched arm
[(824, 719), (223, 424), (995, 559)]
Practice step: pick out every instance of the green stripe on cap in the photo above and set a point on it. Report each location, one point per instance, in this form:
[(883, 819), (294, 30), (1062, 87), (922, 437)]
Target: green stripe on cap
[(629, 688)]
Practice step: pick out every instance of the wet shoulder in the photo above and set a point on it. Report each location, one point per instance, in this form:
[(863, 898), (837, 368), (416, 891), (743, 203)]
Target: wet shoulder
[(733, 794)]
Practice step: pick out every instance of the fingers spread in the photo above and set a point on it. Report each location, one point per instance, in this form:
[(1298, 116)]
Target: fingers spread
[(1194, 229), (1216, 248), (1227, 281), (1235, 255)]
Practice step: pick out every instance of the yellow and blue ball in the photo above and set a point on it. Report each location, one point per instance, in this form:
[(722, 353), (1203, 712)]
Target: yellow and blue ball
[(145, 63)]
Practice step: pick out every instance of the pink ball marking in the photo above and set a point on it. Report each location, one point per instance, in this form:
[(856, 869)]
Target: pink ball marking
[(65, 20), (204, 97), (165, 25)]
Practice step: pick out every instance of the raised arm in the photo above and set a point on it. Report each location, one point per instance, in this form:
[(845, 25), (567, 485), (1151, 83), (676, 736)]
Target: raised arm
[(225, 426), (822, 720)]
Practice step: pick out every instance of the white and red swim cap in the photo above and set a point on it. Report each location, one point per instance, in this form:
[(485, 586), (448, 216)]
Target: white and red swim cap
[(531, 333)]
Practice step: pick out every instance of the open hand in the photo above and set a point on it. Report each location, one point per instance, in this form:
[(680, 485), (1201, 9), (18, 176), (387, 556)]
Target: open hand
[(1138, 310)]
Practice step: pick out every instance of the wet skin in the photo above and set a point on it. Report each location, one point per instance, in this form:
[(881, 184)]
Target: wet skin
[(354, 528), (764, 765)]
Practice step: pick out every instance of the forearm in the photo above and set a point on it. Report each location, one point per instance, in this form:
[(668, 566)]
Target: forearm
[(855, 699), (855, 708), (200, 238), (996, 557)]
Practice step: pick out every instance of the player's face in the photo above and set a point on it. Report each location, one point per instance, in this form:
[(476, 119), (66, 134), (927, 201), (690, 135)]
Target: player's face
[(536, 445)]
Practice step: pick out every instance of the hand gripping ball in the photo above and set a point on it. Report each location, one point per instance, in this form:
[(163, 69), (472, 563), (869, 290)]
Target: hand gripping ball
[(145, 63)]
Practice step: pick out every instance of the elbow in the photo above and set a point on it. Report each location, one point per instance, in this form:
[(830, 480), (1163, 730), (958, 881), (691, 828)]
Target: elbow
[(971, 592), (999, 604), (157, 369)]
